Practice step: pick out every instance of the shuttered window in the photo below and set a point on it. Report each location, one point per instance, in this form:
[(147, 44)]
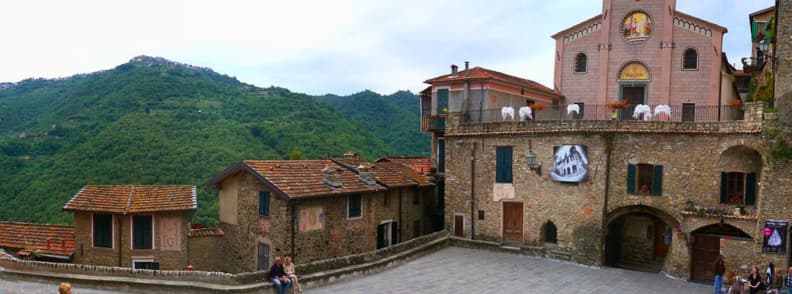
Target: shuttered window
[(264, 203), (141, 232), (645, 179), (442, 101), (103, 230), (738, 188), (503, 164)]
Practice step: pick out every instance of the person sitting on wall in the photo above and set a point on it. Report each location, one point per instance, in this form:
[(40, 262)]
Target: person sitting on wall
[(754, 281), (288, 266), (278, 277)]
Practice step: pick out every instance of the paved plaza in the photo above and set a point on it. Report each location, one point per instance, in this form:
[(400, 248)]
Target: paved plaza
[(460, 270)]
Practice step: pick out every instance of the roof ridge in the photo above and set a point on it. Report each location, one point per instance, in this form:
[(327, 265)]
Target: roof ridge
[(35, 224), (129, 200)]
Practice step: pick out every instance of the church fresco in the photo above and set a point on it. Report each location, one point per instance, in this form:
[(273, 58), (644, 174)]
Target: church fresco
[(637, 26)]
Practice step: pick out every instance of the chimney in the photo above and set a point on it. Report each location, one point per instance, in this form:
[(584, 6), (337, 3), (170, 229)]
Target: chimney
[(332, 176), (366, 174), (454, 69), (467, 63)]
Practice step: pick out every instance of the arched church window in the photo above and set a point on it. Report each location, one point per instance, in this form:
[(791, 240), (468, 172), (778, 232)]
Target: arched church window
[(690, 59), (581, 63)]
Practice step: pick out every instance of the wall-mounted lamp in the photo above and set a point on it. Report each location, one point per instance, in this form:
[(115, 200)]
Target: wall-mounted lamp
[(533, 164)]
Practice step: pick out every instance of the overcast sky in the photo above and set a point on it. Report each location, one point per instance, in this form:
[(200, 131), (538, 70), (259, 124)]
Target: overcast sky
[(316, 47)]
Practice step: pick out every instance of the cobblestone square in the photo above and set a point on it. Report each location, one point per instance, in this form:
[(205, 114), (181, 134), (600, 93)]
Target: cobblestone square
[(460, 270)]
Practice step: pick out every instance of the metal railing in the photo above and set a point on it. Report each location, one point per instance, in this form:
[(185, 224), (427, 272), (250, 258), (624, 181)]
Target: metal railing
[(603, 112)]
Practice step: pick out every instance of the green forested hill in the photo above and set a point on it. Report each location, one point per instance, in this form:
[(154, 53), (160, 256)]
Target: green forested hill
[(152, 121), (394, 119)]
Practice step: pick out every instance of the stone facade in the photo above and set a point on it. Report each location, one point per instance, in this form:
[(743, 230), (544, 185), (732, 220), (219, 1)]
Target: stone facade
[(339, 235), (583, 211), (122, 253)]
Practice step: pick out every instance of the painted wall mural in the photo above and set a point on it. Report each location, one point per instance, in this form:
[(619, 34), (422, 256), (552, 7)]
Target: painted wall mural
[(570, 163), (170, 233), (634, 71), (311, 218), (637, 26)]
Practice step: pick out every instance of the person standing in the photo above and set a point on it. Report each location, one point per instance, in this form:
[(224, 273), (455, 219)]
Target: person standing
[(278, 277), (788, 281), (720, 269), (754, 281)]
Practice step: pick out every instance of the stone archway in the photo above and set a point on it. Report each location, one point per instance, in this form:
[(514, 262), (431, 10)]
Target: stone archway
[(707, 242), (639, 238)]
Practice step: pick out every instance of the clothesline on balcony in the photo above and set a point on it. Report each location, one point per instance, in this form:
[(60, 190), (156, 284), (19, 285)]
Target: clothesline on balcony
[(685, 112)]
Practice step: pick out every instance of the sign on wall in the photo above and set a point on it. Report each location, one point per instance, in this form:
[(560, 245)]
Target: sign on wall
[(774, 232), (311, 218), (170, 233), (570, 163)]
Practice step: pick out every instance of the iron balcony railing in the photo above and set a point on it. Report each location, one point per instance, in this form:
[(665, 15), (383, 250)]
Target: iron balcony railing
[(604, 112), (433, 123)]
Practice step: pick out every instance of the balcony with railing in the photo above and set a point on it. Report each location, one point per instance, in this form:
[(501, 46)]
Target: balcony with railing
[(433, 123), (685, 112), (686, 118), (753, 65)]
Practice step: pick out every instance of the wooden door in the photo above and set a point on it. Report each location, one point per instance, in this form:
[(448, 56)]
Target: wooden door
[(459, 223), (705, 250), (512, 222), (634, 96), (660, 247)]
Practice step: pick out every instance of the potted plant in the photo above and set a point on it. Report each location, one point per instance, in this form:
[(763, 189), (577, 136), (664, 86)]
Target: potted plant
[(536, 107), (736, 103), (618, 105)]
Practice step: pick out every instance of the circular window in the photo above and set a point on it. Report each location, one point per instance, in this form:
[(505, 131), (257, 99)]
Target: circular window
[(636, 27)]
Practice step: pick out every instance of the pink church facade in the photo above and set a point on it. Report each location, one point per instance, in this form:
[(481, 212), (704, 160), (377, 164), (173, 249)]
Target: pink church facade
[(643, 52)]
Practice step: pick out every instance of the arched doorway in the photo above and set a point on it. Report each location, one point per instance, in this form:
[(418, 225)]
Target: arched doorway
[(706, 245), (549, 233), (638, 238)]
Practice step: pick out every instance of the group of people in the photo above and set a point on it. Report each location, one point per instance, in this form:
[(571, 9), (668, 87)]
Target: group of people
[(283, 275), (772, 282)]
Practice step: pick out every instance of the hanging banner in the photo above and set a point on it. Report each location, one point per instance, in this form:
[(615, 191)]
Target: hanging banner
[(774, 232), (570, 163)]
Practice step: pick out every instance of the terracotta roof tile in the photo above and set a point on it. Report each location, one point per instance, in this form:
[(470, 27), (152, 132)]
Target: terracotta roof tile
[(406, 171), (206, 232), (134, 198), (37, 238), (304, 178), (421, 164), (382, 175), (483, 73)]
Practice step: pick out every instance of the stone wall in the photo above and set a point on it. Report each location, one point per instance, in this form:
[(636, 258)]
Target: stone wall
[(692, 156), (122, 253), (205, 254), (783, 63), (638, 246)]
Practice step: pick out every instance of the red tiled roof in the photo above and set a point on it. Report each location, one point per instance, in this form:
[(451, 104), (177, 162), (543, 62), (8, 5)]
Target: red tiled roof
[(420, 164), (381, 175), (301, 178), (37, 238), (406, 171), (206, 232), (483, 73), (134, 198)]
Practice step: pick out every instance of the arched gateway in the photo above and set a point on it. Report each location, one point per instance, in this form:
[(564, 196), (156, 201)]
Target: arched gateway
[(638, 238)]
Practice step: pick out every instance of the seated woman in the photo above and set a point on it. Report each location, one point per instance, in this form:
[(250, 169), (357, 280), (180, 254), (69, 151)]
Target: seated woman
[(288, 266), (754, 281)]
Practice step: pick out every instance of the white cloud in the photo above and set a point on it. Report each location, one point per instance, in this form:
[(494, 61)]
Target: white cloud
[(311, 46)]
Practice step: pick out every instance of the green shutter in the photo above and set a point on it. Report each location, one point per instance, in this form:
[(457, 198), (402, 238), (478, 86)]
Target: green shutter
[(630, 178), (507, 164), (498, 165), (141, 232), (750, 189), (503, 164), (264, 203), (380, 236), (754, 30), (657, 182), (723, 188), (394, 233)]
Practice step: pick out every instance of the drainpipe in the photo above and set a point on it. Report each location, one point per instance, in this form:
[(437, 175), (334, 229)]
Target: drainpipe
[(608, 152), (293, 218), (399, 234), (472, 191), (119, 241)]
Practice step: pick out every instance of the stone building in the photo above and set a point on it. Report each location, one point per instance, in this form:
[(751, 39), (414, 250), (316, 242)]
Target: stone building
[(314, 209), (137, 226), (37, 241), (666, 192)]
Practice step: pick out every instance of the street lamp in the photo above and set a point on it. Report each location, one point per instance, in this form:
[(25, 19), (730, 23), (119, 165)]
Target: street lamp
[(534, 165)]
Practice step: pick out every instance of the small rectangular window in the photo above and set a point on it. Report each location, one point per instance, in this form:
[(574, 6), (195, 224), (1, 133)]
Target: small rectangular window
[(503, 164), (141, 232), (738, 188), (442, 101), (103, 230), (645, 179), (149, 265), (264, 203), (354, 206)]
